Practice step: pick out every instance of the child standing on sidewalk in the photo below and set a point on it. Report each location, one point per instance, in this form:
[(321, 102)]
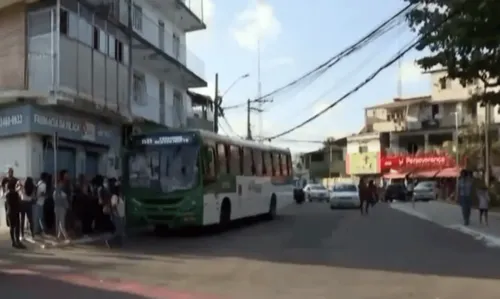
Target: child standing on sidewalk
[(484, 200)]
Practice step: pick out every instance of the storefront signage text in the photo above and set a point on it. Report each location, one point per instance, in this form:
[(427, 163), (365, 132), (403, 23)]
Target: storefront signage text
[(12, 120), (57, 123), (430, 161)]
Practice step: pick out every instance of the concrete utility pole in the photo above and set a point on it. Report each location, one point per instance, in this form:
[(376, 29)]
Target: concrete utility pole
[(217, 104), (249, 111), (487, 144)]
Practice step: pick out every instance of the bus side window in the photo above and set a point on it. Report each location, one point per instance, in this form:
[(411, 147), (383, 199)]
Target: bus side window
[(276, 164), (268, 162), (284, 164), (257, 162), (289, 164), (235, 165), (264, 166), (223, 158), (209, 162), (248, 165)]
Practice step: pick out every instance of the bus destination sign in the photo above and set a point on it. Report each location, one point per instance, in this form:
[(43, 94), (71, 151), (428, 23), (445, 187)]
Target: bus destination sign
[(165, 140)]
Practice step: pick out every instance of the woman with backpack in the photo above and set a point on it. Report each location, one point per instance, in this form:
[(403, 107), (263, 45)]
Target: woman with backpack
[(27, 194)]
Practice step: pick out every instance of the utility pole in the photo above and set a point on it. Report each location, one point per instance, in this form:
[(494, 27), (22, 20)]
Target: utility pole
[(217, 104), (249, 111), (249, 129), (487, 142)]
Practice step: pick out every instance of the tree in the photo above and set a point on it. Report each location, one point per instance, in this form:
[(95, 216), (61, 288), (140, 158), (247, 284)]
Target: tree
[(462, 36)]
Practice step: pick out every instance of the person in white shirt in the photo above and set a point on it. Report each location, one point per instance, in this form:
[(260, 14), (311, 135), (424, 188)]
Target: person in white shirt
[(118, 213), (484, 201), (27, 193), (38, 207)]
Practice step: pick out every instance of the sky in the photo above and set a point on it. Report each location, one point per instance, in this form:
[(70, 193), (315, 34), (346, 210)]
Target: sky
[(294, 36)]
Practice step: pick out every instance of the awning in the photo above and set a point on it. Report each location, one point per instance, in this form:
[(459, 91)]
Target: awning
[(425, 174), (395, 175), (450, 172)]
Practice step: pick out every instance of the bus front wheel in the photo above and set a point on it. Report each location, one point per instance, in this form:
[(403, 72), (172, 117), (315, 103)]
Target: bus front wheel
[(225, 213)]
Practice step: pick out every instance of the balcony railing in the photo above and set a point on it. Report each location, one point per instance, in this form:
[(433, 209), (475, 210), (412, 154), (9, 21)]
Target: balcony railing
[(171, 43), (196, 7), (76, 71)]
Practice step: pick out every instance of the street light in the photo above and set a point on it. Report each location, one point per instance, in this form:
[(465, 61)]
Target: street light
[(218, 98), (234, 83)]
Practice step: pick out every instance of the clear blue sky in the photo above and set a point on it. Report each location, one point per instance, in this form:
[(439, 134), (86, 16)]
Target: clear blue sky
[(296, 36)]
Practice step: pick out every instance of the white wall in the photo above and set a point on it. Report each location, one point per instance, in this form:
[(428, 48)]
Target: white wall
[(372, 144), (151, 110)]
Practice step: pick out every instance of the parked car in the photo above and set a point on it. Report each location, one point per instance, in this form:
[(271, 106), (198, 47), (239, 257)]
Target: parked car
[(425, 191), (396, 192), (344, 196), (316, 192)]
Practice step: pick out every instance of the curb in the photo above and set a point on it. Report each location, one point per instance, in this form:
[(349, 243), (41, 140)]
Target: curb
[(487, 239)]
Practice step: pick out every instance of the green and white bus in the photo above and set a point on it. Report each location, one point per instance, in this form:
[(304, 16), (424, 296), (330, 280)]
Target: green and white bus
[(181, 179)]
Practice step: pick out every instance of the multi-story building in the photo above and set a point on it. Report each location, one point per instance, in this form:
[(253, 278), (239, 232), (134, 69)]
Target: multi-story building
[(413, 131), (69, 66), (425, 123), (329, 161)]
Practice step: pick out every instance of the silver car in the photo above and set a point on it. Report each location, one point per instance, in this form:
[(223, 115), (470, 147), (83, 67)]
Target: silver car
[(316, 192), (426, 190), (344, 196)]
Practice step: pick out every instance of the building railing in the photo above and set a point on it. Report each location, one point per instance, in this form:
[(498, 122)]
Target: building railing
[(76, 71), (196, 7), (171, 43)]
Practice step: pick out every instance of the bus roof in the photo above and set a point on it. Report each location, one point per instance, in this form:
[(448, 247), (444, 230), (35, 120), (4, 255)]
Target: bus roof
[(241, 142), (217, 137)]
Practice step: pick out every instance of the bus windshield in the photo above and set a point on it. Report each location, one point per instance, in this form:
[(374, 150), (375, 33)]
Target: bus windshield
[(168, 168)]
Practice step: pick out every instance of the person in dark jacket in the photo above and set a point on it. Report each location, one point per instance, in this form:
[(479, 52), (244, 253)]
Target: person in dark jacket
[(364, 197), (13, 205)]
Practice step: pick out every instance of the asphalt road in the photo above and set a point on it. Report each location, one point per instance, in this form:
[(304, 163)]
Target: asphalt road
[(309, 252)]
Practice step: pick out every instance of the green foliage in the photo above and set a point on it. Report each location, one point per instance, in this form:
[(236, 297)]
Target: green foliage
[(467, 45)]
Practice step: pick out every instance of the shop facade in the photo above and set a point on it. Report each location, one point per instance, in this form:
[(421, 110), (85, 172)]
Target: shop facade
[(86, 145)]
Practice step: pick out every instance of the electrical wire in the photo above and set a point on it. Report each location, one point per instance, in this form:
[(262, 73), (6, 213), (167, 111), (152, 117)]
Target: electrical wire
[(368, 79), (314, 74), (342, 80), (375, 33)]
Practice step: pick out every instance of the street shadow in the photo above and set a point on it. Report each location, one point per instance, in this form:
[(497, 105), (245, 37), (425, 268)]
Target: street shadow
[(386, 240), (41, 287)]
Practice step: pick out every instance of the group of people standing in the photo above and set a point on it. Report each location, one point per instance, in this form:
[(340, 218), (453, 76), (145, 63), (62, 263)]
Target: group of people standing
[(66, 209)]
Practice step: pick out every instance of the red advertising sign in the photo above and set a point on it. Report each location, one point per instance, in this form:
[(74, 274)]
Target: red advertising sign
[(429, 161)]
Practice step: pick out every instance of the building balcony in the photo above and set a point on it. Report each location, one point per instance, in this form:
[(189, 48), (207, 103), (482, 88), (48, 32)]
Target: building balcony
[(68, 71), (197, 122), (389, 126), (156, 46), (188, 15)]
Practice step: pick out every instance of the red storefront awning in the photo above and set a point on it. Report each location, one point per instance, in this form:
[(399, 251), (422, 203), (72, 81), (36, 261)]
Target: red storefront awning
[(394, 174), (450, 172), (425, 174)]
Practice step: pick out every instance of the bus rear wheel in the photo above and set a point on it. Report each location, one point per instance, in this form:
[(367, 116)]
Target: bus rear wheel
[(273, 205), (225, 214)]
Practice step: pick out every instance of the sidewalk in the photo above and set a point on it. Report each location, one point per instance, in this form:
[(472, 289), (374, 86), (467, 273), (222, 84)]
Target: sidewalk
[(450, 216)]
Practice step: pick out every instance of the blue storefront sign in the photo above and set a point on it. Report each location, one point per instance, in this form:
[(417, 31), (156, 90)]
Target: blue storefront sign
[(32, 119)]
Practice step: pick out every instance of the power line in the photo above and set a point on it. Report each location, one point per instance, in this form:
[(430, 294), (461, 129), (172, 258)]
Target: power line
[(320, 70), (375, 33), (343, 78), (368, 79)]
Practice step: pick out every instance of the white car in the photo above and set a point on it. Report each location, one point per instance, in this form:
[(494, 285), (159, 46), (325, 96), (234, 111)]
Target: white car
[(344, 195), (425, 191), (316, 192)]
